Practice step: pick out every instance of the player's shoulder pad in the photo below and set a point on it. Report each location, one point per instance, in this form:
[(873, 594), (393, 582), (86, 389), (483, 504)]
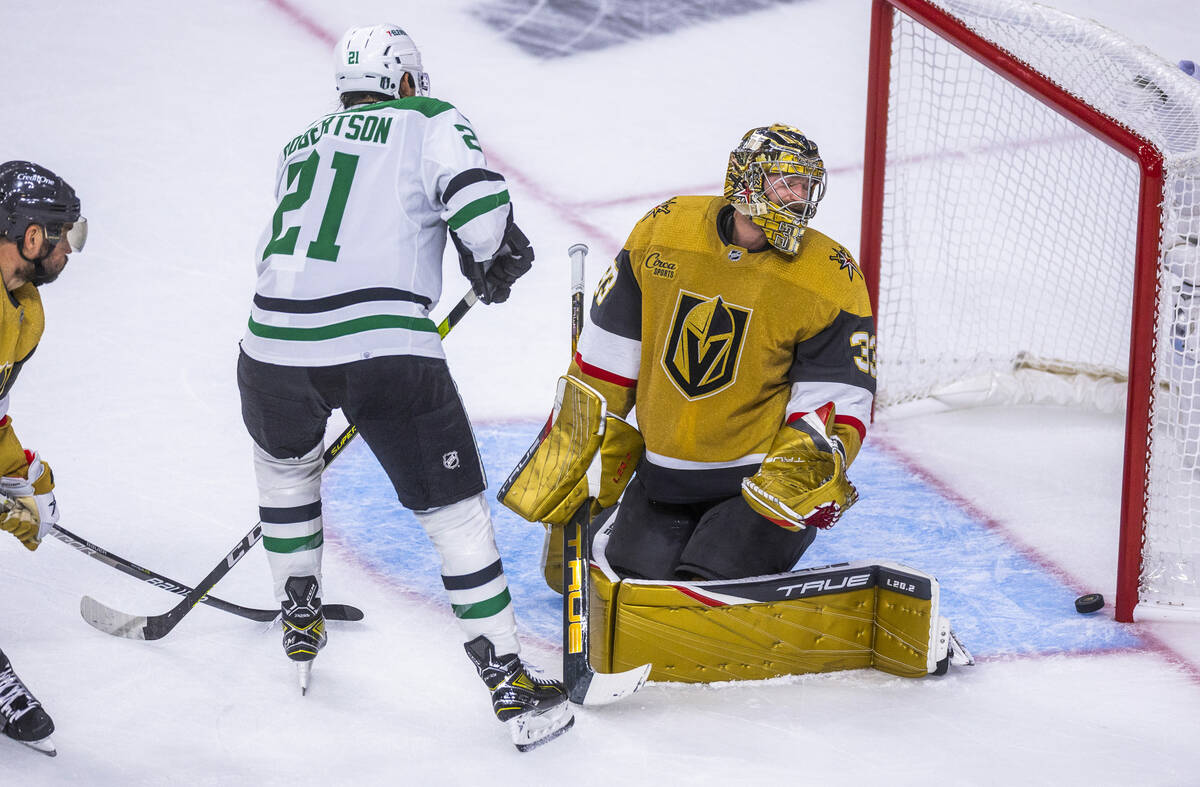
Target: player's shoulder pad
[(677, 209), (826, 262), (426, 105), (671, 217)]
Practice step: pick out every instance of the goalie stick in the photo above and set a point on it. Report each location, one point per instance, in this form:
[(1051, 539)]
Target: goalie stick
[(584, 685), (152, 627), (332, 611)]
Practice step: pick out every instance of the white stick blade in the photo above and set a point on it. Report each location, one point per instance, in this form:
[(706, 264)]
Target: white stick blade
[(608, 687), (110, 621)]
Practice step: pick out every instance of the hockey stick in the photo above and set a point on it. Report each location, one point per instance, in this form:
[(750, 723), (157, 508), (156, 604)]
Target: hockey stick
[(332, 611), (152, 627), (578, 254), (584, 685)]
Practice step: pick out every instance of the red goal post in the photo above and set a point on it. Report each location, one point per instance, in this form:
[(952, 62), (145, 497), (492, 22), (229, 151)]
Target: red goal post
[(965, 93)]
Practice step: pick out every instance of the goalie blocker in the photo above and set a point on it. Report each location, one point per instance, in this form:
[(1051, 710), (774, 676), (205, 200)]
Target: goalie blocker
[(846, 616)]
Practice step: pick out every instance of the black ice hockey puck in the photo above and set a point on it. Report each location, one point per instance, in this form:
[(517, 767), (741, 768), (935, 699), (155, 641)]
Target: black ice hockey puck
[(1089, 603)]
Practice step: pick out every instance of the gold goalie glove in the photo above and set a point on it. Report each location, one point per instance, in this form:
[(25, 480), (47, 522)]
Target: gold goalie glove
[(559, 471), (802, 482)]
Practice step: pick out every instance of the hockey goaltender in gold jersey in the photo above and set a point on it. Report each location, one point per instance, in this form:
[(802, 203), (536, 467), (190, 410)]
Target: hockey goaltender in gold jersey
[(743, 342)]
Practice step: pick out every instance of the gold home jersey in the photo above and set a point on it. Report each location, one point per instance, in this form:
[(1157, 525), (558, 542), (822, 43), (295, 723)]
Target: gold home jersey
[(719, 346), (21, 325)]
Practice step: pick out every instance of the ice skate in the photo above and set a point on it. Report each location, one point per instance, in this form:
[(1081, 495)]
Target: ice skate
[(534, 708), (303, 626), (24, 718)]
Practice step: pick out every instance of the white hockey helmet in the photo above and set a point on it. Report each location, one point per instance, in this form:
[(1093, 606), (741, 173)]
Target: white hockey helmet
[(374, 60)]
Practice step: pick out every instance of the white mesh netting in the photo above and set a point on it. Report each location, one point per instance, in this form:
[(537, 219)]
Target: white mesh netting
[(1009, 236)]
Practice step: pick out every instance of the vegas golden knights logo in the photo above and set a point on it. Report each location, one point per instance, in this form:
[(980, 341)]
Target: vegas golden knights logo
[(704, 345)]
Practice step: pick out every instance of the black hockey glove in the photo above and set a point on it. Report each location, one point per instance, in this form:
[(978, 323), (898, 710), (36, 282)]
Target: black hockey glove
[(493, 279)]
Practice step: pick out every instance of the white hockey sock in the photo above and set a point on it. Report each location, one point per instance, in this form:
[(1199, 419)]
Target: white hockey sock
[(471, 571), (289, 499)]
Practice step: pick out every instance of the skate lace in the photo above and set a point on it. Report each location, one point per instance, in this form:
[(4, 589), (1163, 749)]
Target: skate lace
[(11, 691), (537, 677)]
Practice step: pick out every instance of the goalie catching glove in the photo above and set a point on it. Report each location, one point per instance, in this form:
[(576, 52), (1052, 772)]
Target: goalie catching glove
[(560, 471), (802, 482), (29, 508)]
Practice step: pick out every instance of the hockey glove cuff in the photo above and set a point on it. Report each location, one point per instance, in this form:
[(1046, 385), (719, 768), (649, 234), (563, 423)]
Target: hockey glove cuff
[(29, 509), (493, 279), (512, 261), (802, 482)]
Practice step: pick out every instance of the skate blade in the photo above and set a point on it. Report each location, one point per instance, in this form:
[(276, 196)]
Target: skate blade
[(45, 746), (534, 729), (304, 674)]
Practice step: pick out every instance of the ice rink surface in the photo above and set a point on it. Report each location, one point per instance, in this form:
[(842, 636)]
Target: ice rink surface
[(167, 119)]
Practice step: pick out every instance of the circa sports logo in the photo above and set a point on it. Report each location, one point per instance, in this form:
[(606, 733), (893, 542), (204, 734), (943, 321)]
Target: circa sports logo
[(704, 344), (658, 266)]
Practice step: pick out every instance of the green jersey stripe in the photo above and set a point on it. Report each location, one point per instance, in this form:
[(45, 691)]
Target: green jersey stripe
[(483, 609), (429, 107), (358, 325), (299, 544), (478, 208)]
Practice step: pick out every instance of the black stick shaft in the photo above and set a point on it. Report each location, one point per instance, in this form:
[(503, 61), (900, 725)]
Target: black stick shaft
[(129, 568), (577, 559)]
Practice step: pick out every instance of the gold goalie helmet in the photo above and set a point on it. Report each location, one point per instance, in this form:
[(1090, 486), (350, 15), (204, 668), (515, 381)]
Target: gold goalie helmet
[(776, 178)]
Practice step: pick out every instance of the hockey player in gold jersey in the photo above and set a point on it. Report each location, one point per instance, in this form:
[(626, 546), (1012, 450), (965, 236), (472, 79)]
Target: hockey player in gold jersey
[(743, 342), (745, 339), (40, 226)]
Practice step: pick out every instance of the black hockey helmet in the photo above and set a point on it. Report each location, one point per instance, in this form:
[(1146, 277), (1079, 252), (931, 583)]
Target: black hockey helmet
[(30, 194)]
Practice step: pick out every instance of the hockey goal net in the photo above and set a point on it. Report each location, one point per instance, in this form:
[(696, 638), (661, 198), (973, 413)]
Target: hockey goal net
[(1032, 205)]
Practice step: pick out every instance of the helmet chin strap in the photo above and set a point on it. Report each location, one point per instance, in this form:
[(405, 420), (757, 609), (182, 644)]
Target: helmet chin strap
[(40, 276)]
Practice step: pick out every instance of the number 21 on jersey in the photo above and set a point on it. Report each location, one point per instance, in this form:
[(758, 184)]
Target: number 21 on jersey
[(301, 175)]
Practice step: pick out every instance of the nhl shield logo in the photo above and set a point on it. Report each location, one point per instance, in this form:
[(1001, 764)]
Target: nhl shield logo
[(450, 460), (705, 343)]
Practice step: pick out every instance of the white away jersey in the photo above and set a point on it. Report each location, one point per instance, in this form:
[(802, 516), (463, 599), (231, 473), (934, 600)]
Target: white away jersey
[(351, 263)]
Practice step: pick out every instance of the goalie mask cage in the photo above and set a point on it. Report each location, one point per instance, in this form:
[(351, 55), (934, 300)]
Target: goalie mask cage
[(1032, 199)]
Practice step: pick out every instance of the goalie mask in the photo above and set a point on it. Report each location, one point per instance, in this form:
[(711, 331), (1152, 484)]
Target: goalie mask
[(776, 178), (375, 59)]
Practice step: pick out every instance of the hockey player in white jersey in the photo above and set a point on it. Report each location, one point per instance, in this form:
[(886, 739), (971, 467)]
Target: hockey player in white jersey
[(349, 269)]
